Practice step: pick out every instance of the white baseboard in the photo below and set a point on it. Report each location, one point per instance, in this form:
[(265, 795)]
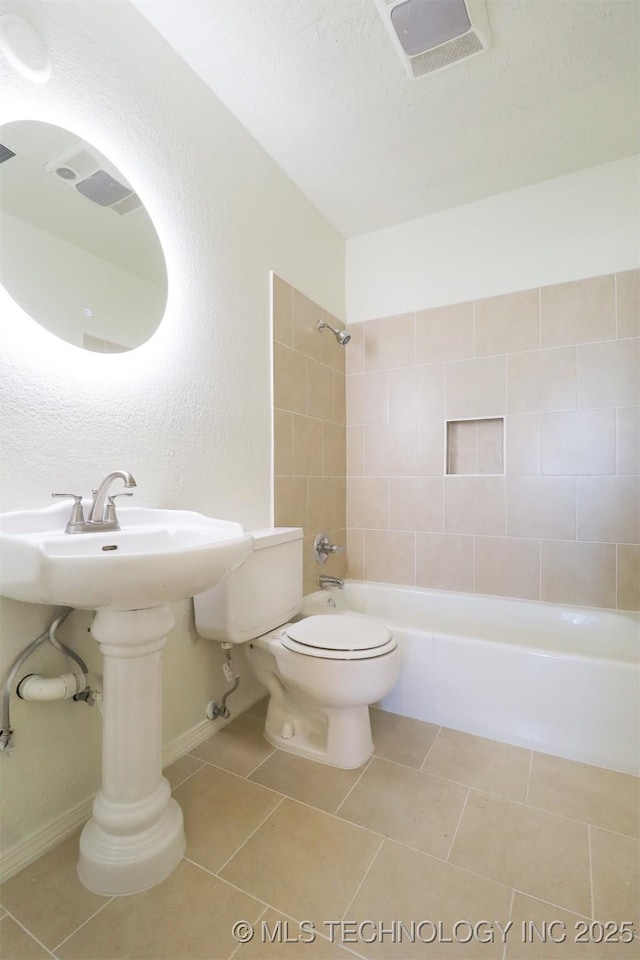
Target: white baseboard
[(49, 836), (25, 852)]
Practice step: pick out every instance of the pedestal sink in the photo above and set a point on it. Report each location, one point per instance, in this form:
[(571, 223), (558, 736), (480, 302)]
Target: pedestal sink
[(135, 836)]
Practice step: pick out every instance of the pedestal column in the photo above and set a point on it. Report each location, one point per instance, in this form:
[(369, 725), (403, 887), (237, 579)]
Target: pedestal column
[(135, 837)]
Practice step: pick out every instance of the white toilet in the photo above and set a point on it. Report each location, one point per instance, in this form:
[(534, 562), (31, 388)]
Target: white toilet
[(322, 672)]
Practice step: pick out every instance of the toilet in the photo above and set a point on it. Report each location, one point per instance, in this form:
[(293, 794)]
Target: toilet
[(322, 672)]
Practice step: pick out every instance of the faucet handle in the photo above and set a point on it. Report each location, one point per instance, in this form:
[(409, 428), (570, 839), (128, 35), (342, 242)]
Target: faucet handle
[(76, 520), (322, 547), (110, 509)]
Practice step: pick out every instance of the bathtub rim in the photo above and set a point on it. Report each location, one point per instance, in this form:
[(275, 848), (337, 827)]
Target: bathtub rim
[(632, 656)]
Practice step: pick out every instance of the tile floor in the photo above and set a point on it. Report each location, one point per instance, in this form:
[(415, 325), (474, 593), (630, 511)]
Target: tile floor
[(441, 838)]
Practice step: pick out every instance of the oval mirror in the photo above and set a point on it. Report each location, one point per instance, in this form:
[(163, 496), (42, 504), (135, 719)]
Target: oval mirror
[(78, 250)]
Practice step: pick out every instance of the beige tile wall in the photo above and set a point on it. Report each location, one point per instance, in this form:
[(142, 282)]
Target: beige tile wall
[(309, 427), (561, 365)]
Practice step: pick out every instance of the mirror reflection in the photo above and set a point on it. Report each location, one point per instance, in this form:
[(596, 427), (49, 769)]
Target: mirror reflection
[(78, 250)]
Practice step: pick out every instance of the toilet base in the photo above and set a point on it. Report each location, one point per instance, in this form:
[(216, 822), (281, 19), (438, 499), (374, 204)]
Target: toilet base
[(338, 737)]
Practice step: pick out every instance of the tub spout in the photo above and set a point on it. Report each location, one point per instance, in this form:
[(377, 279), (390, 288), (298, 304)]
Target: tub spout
[(326, 581)]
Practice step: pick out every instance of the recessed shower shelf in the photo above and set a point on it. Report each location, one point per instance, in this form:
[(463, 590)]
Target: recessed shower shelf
[(475, 447)]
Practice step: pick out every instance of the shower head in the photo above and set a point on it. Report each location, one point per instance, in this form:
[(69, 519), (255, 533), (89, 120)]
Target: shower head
[(341, 335)]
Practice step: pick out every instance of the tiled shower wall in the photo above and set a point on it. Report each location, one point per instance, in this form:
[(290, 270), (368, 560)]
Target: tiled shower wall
[(309, 427), (561, 365)]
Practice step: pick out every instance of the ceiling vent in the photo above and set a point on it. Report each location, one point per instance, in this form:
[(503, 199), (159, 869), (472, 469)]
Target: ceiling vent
[(430, 35), (95, 178)]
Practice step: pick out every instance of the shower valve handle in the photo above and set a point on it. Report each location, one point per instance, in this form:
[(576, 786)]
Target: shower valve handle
[(322, 547)]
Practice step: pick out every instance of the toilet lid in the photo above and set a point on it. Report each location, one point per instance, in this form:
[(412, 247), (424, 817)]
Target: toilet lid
[(344, 635)]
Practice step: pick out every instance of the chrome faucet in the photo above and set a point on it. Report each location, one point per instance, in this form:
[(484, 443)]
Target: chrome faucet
[(102, 516), (327, 581)]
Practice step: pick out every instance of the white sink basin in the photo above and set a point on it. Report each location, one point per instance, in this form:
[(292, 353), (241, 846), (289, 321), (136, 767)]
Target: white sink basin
[(159, 556)]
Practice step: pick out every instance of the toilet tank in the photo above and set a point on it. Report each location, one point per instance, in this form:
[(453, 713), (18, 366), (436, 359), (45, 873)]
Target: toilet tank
[(260, 595)]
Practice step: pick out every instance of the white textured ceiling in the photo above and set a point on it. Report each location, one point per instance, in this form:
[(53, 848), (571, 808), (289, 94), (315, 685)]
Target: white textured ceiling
[(319, 85)]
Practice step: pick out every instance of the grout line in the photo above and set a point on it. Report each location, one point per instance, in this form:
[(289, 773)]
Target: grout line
[(269, 906), (84, 923), (240, 776), (615, 301), (406, 766), (615, 833), (426, 756), (590, 871), (526, 796), (582, 823), (251, 772), (453, 864), (258, 765), (192, 774), (509, 919), (350, 791), (244, 842), (361, 884), (455, 832), (230, 883), (260, 917), (9, 916), (311, 806), (558, 906)]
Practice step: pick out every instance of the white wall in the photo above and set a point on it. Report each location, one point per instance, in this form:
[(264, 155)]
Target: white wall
[(569, 228), (189, 412)]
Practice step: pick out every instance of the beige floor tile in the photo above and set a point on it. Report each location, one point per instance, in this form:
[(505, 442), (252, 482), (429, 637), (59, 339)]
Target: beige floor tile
[(303, 862), (537, 852), (402, 739), (542, 931), (47, 896), (220, 812), (485, 764), (406, 805), (615, 869), (601, 797), (190, 915), (16, 944), (259, 708), (277, 937), (404, 886), (238, 747), (177, 772), (318, 784)]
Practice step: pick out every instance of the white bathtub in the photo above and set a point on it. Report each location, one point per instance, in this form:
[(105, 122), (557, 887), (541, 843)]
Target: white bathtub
[(563, 680)]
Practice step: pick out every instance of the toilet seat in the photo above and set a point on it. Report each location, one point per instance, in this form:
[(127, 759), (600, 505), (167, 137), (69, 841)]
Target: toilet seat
[(345, 636)]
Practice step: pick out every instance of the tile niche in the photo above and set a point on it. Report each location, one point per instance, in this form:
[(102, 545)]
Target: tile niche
[(475, 447)]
